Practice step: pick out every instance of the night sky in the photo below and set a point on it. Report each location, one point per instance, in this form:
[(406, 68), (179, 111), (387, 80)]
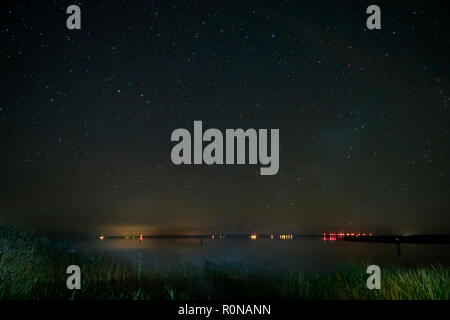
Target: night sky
[(86, 116)]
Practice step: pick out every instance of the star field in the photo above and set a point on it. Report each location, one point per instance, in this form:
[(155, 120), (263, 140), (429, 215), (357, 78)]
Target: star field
[(86, 115)]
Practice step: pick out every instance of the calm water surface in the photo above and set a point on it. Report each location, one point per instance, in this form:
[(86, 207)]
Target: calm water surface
[(306, 254)]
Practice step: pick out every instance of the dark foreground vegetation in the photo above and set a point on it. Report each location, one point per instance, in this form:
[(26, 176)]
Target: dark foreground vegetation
[(34, 267)]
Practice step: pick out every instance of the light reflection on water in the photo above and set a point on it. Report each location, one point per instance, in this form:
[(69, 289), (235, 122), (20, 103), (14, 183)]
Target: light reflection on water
[(306, 254)]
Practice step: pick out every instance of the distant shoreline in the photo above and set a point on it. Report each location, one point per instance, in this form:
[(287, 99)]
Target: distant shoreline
[(209, 236), (415, 239)]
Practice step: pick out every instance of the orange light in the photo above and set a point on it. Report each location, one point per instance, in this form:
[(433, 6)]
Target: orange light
[(101, 237)]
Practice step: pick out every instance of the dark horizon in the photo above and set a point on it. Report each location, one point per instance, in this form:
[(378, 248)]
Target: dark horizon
[(264, 236)]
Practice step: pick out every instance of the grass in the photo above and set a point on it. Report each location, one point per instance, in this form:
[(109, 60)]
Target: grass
[(34, 267)]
